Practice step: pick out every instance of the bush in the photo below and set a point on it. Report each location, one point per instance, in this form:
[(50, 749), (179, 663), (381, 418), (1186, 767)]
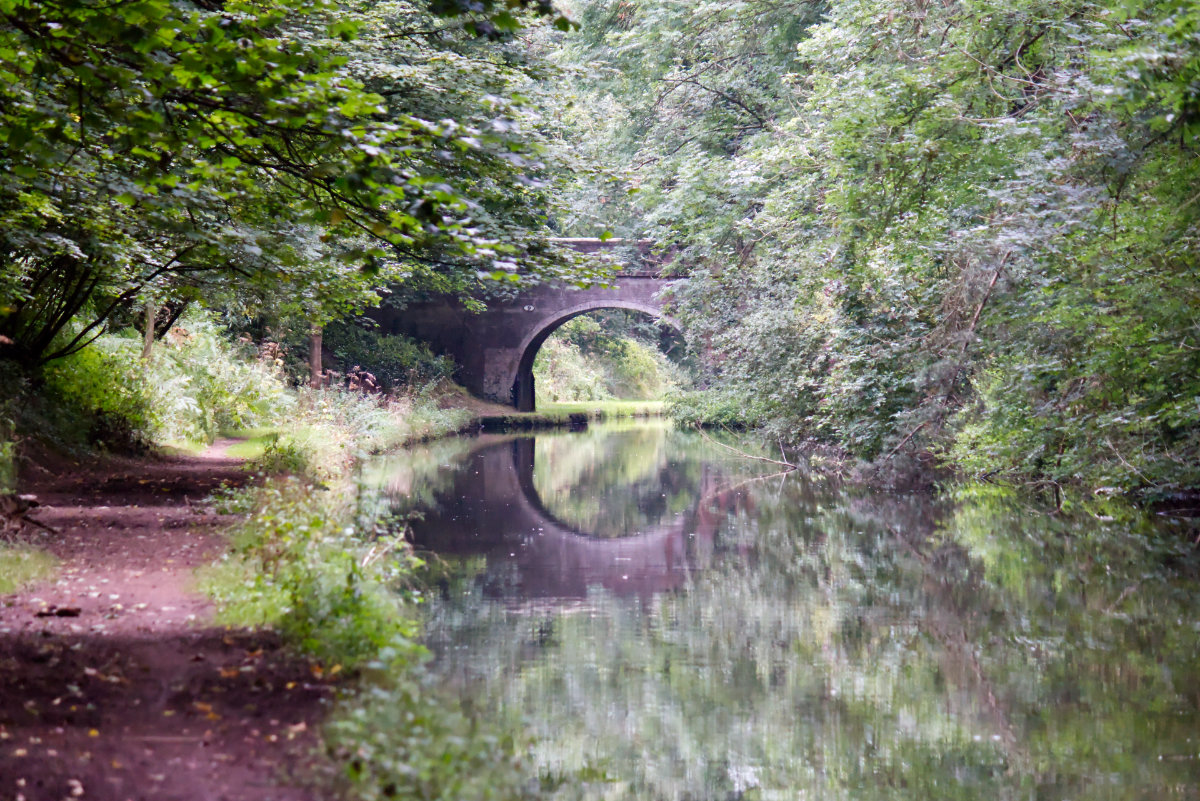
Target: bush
[(195, 385), (8, 447), (103, 395), (202, 384), (563, 373), (329, 429), (710, 408), (307, 563), (394, 360)]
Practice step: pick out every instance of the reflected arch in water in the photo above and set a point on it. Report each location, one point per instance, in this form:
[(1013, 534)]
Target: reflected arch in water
[(522, 388), (494, 509)]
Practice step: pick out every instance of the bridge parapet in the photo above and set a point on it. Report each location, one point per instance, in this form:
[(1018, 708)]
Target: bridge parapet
[(649, 261)]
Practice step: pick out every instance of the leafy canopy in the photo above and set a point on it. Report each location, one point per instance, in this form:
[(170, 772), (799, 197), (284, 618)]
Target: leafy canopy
[(152, 145)]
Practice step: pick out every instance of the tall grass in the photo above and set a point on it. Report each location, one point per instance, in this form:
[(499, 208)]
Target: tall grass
[(329, 430)]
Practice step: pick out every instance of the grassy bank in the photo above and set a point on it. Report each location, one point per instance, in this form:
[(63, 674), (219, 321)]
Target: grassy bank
[(318, 559), (574, 414)]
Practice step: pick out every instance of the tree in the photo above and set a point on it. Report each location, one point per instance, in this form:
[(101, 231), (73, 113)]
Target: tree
[(221, 147), (962, 232)]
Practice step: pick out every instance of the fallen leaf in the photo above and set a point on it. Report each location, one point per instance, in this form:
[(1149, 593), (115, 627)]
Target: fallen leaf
[(60, 611)]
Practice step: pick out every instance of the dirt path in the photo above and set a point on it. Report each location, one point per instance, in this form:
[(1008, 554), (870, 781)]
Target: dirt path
[(114, 684)]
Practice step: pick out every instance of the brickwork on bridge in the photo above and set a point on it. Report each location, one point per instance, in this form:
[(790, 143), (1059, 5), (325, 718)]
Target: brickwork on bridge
[(495, 348)]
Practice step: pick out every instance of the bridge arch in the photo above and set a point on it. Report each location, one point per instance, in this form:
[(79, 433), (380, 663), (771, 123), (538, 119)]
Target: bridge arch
[(522, 381)]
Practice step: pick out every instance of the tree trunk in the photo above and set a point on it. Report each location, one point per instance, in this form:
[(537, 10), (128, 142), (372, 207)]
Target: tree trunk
[(148, 333), (314, 358)]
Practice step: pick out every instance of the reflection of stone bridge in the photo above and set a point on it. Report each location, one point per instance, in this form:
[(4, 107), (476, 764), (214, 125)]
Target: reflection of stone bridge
[(494, 509), (495, 348)]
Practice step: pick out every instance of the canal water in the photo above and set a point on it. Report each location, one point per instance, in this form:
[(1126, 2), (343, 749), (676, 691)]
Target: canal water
[(668, 619)]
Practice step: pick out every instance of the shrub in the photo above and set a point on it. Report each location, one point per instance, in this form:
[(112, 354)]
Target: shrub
[(196, 384), (201, 383), (584, 361), (8, 447), (563, 373), (103, 390), (328, 429), (710, 408), (394, 360)]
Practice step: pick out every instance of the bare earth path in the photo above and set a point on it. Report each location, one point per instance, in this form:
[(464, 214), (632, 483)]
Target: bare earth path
[(114, 683)]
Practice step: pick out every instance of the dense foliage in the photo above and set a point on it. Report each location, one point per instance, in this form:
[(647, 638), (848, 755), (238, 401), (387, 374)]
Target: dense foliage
[(600, 357), (279, 156), (962, 230)]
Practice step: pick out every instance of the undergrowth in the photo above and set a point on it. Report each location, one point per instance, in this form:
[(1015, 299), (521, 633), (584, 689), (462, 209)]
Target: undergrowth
[(325, 567), (586, 361), (196, 384), (321, 560), (330, 429)]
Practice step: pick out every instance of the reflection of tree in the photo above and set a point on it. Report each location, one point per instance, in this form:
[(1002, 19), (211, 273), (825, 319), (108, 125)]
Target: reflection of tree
[(842, 649), (411, 481), (614, 483)]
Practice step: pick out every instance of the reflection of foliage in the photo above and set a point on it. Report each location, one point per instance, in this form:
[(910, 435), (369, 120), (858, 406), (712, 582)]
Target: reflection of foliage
[(611, 483), (409, 481), (842, 649)]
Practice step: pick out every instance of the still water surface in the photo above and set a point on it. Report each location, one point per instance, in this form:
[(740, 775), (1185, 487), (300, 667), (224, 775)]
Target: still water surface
[(669, 620)]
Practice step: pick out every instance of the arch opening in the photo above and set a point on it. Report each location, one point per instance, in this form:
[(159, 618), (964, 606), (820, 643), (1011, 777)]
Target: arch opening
[(523, 393)]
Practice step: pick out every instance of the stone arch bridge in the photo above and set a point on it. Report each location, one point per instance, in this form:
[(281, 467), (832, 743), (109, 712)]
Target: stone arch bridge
[(495, 348)]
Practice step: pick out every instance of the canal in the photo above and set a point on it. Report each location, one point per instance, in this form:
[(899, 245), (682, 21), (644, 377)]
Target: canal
[(667, 619)]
